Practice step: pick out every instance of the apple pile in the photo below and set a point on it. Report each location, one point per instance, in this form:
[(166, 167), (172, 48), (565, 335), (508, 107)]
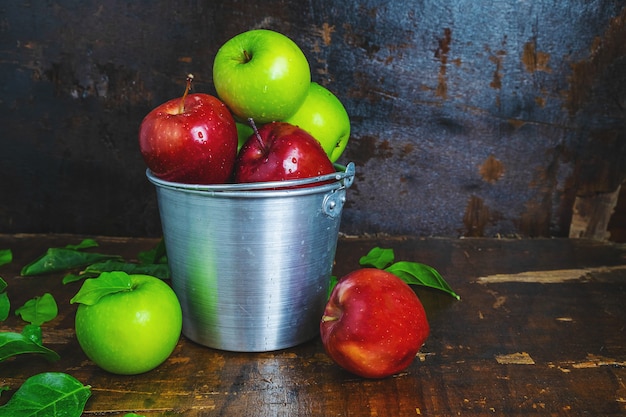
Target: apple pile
[(269, 121)]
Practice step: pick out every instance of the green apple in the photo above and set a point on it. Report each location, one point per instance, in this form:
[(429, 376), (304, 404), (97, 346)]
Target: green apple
[(325, 118), (243, 133), (131, 331), (261, 74)]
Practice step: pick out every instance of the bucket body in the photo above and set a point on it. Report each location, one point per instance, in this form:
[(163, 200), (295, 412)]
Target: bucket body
[(251, 264)]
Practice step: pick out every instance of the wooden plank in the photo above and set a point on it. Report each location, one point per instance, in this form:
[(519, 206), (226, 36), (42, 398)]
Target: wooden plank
[(553, 276), (508, 348)]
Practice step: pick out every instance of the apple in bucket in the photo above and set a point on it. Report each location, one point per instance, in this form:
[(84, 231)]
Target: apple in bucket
[(280, 151), (323, 115), (261, 74), (192, 139), (374, 324)]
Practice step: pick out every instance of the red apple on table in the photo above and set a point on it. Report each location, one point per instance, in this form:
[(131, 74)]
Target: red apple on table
[(374, 324), (191, 140), (279, 151)]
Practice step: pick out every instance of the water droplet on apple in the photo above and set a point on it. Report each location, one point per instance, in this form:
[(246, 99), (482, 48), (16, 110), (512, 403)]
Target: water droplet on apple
[(294, 160)]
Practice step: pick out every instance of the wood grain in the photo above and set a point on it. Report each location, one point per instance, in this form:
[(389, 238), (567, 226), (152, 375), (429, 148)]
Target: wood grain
[(508, 348)]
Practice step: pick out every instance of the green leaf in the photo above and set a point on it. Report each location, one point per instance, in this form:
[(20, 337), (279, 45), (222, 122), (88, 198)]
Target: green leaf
[(73, 278), (29, 341), (377, 258), (39, 310), (33, 333), (161, 271), (5, 304), (85, 244), (6, 256), (133, 415), (94, 289), (48, 394), (156, 255), (61, 259), (414, 273), (331, 286)]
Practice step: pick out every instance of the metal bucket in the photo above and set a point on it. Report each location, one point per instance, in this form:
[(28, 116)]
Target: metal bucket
[(251, 263)]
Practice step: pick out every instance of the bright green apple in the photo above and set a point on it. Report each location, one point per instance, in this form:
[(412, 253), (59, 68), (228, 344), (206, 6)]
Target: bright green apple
[(261, 74), (323, 115), (131, 331), (243, 133)]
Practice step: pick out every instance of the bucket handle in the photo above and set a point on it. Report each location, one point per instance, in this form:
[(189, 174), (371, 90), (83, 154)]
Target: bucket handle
[(348, 173), (333, 202)]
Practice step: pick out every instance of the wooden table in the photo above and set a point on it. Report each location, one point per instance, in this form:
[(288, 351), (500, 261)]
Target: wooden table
[(549, 342)]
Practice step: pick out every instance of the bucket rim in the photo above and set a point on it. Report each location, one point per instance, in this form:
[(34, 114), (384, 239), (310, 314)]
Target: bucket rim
[(344, 176)]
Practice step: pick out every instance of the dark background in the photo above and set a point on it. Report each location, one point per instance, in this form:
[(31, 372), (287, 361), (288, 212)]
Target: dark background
[(468, 118)]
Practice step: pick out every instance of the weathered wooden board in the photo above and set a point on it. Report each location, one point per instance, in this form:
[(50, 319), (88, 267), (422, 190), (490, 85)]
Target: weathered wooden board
[(512, 346), (469, 118)]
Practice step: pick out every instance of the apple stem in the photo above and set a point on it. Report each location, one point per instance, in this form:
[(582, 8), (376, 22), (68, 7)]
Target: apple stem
[(256, 133), (328, 318), (181, 106)]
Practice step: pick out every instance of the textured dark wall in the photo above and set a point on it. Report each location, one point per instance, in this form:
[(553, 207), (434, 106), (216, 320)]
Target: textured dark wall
[(468, 119)]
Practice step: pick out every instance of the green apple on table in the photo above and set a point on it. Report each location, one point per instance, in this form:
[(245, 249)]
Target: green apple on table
[(323, 115), (261, 74), (127, 324)]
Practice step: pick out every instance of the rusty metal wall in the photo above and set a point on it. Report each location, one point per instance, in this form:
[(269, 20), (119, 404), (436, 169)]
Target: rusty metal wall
[(468, 118)]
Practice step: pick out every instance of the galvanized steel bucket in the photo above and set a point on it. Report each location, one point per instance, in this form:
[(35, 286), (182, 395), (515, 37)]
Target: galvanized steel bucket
[(251, 263)]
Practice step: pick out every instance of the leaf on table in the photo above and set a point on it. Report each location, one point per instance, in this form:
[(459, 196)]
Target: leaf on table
[(161, 271), (6, 256), (93, 289), (61, 259), (48, 394), (332, 285), (415, 273), (29, 341), (156, 255), (377, 258), (33, 333), (5, 304), (85, 244), (39, 310)]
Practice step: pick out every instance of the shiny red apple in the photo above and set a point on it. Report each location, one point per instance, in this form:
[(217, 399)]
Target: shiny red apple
[(374, 324), (192, 140), (280, 151)]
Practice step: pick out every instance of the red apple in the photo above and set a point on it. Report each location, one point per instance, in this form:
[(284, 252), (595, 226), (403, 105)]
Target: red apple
[(280, 151), (192, 140), (373, 324)]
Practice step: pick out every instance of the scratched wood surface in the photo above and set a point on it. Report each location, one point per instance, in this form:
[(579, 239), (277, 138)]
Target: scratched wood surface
[(468, 118), (539, 331)]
